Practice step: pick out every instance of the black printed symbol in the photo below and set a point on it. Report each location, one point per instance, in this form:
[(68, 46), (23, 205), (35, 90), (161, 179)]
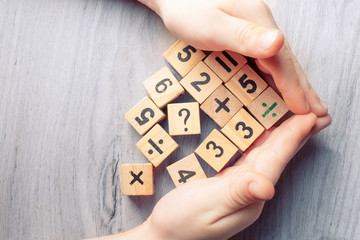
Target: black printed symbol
[(187, 50), (143, 119), (161, 86), (156, 147), (186, 117), (197, 83), (244, 128), (185, 175), (136, 177), (211, 143), (244, 83), (222, 105), (224, 65)]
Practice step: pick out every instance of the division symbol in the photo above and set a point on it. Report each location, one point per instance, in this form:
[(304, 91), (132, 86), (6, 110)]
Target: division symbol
[(156, 147), (269, 109)]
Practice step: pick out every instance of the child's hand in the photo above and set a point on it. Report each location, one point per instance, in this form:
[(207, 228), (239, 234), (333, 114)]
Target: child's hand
[(219, 207), (247, 27)]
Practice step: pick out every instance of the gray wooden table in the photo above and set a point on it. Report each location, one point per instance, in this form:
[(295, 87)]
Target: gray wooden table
[(70, 69)]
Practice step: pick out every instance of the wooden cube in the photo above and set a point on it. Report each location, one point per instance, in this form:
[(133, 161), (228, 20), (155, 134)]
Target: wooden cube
[(242, 129), (225, 64), (144, 115), (216, 150), (221, 106), (246, 85), (201, 82), (137, 179), (186, 170), (184, 118), (163, 87), (183, 57), (268, 108), (156, 145)]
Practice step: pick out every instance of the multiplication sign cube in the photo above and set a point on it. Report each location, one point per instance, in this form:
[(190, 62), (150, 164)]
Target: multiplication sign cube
[(144, 115), (216, 150), (163, 87), (156, 145), (221, 106), (246, 85), (242, 129), (186, 170), (201, 82), (225, 64), (184, 118), (183, 57), (137, 179), (268, 108)]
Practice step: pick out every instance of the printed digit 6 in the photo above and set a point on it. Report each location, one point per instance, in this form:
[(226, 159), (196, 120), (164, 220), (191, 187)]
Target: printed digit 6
[(161, 86)]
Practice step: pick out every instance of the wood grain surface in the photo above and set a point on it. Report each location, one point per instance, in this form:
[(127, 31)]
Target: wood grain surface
[(71, 69)]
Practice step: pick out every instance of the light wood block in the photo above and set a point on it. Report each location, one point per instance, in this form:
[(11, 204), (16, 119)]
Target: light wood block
[(268, 108), (242, 129), (186, 170), (137, 179), (216, 150), (144, 115), (221, 106), (246, 85), (163, 87), (184, 118), (183, 57), (225, 63), (201, 82), (156, 145)]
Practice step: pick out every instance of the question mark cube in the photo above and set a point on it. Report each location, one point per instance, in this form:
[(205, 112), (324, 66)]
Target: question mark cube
[(183, 57), (268, 108), (137, 179), (221, 106), (225, 63), (156, 145), (216, 150), (242, 129), (186, 170), (246, 85), (184, 118), (163, 87), (201, 82), (144, 116)]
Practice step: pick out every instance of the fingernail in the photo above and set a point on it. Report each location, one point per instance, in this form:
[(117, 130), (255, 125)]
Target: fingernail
[(323, 104), (268, 38)]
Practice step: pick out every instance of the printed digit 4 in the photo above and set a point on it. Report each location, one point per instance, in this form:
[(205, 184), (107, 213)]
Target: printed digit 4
[(185, 175)]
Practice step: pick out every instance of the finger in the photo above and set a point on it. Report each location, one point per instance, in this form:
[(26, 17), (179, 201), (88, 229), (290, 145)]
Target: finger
[(273, 155), (245, 37)]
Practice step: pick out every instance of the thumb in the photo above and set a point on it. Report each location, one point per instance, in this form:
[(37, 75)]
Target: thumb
[(247, 38), (245, 188)]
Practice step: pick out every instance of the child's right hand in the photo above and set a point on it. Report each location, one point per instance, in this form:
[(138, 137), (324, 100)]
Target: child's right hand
[(247, 27)]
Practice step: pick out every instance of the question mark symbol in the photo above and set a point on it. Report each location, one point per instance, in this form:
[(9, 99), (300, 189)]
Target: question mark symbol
[(186, 117)]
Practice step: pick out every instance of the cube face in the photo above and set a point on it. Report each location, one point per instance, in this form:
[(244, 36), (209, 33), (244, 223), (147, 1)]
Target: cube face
[(137, 179), (221, 106), (184, 118), (186, 170), (246, 85), (201, 82), (183, 57), (225, 64), (268, 108), (216, 150), (163, 87), (156, 145), (144, 115), (242, 129)]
